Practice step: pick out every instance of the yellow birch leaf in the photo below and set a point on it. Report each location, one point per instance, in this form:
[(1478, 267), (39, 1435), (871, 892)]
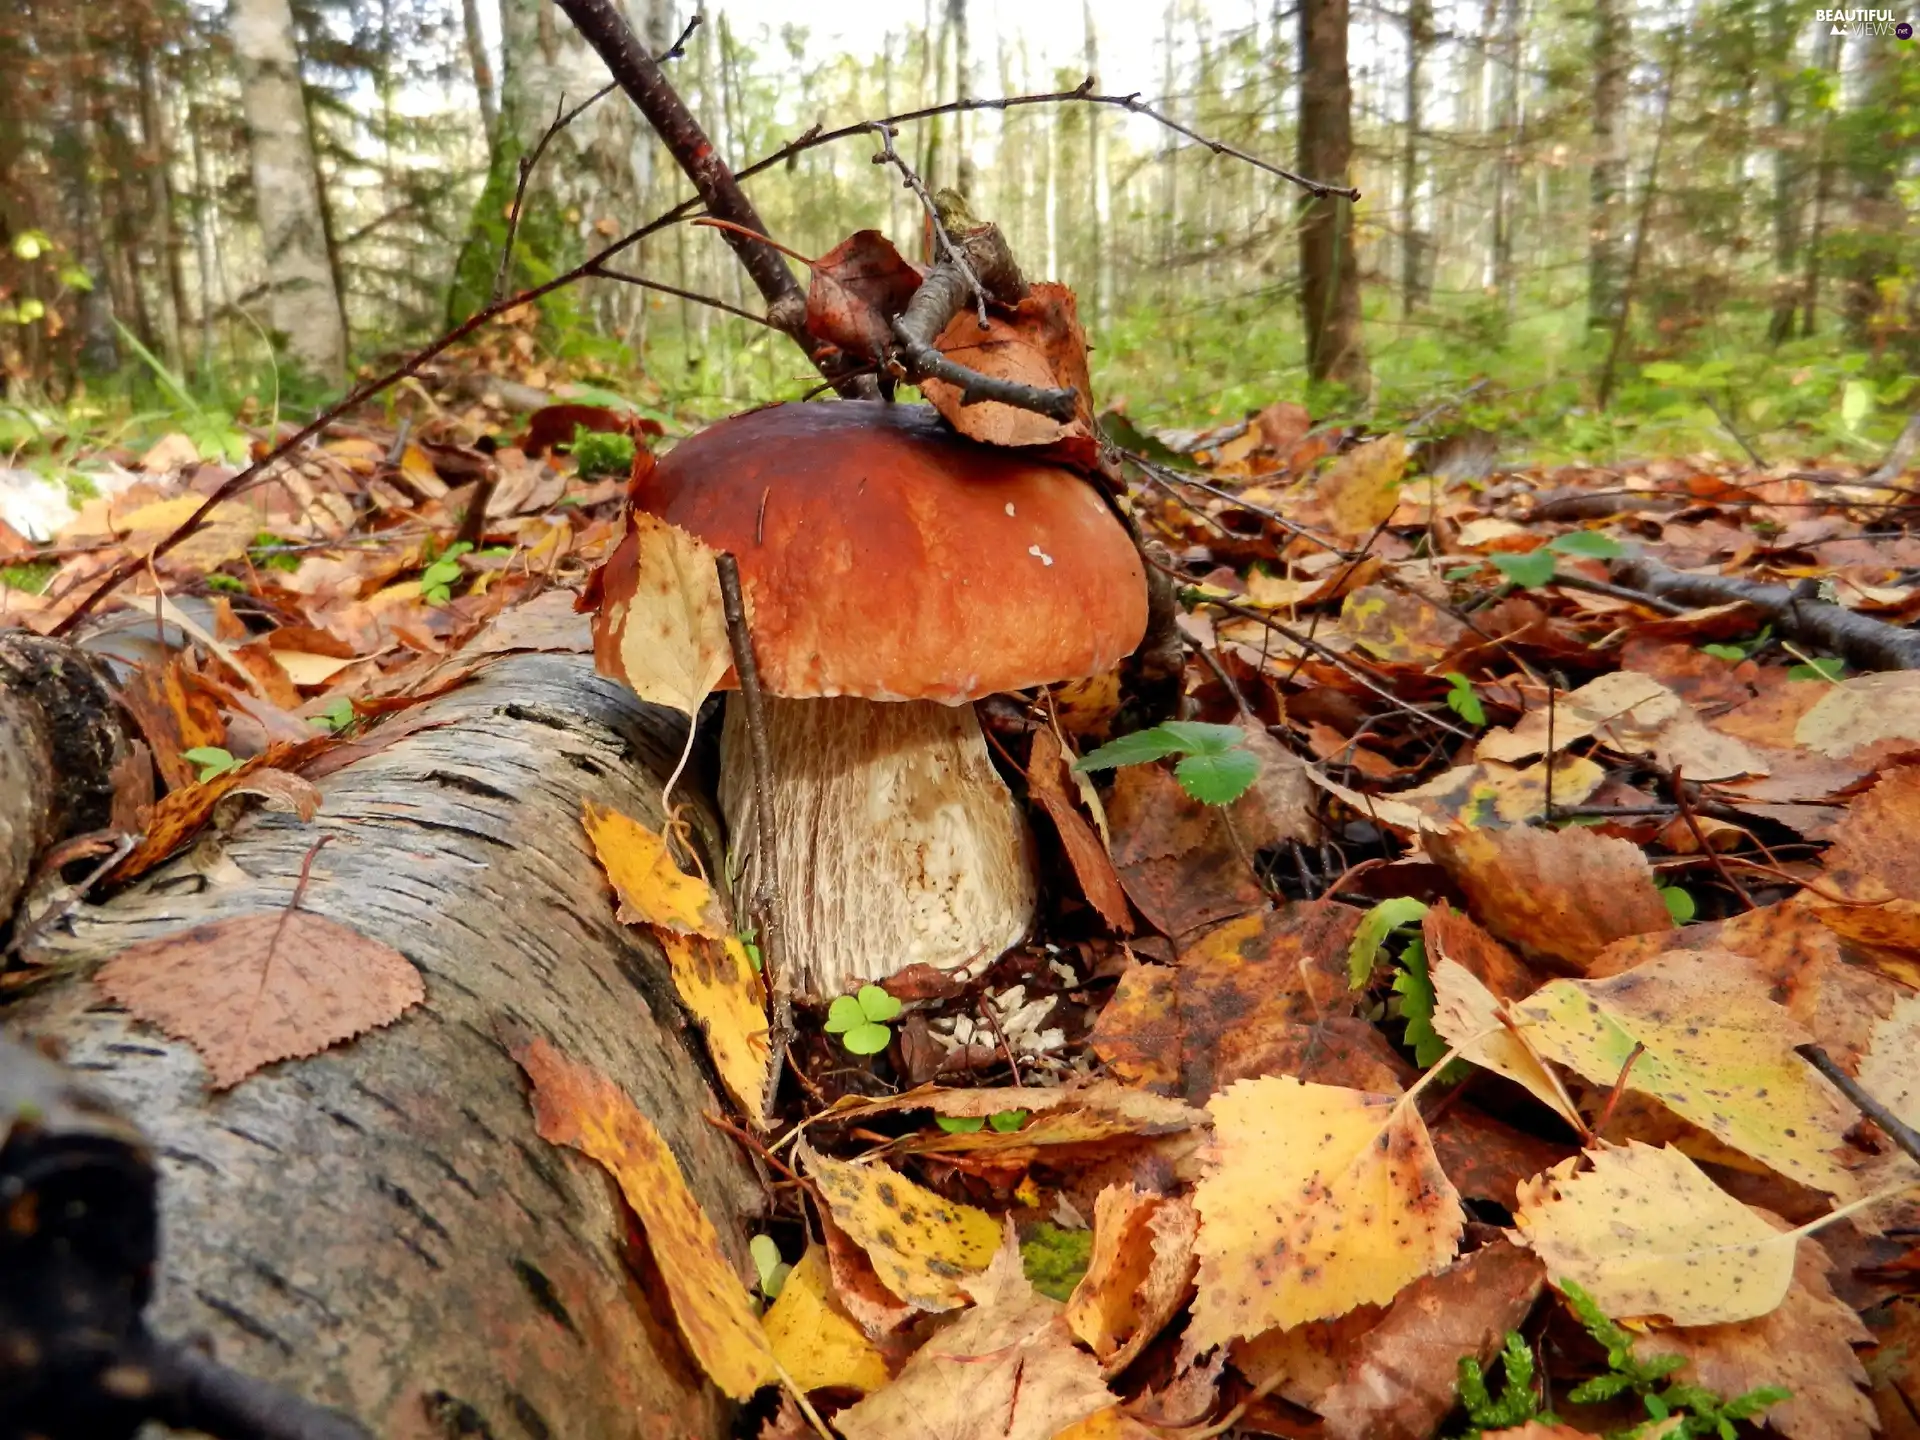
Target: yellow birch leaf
[(1362, 487), (1366, 1209), (1890, 1070), (717, 984), (577, 1106), (814, 1342), (652, 889), (921, 1246), (1466, 1014), (1718, 1052), (1646, 1233), (671, 634), (223, 536)]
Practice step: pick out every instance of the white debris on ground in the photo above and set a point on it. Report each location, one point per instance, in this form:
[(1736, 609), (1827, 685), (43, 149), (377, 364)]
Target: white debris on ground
[(1020, 1022)]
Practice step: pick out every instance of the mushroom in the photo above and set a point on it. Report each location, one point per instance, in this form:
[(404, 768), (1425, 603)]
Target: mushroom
[(894, 572)]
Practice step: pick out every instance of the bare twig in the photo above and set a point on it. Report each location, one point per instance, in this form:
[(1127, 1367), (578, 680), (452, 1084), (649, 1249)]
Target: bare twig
[(1619, 1088), (767, 898), (1681, 799), (947, 250), (607, 272), (1898, 1131)]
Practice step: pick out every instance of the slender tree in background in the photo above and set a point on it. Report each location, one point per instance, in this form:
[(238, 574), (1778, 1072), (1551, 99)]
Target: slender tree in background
[(1413, 238), (482, 67), (302, 304), (73, 150), (1100, 184), (1789, 167), (1607, 172), (1329, 269), (963, 172)]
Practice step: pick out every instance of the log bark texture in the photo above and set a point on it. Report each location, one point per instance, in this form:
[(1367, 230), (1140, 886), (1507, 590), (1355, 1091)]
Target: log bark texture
[(378, 1228)]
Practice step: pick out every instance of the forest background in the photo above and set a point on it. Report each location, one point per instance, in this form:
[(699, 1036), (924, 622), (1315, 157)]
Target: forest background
[(1599, 228)]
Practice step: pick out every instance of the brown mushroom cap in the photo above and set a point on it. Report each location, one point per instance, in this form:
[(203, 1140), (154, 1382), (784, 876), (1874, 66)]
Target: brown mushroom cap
[(884, 556)]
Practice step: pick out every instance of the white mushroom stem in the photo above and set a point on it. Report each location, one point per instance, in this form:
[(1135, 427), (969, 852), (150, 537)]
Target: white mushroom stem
[(896, 841)]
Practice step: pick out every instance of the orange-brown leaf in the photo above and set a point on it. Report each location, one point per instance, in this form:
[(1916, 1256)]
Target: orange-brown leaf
[(264, 986)]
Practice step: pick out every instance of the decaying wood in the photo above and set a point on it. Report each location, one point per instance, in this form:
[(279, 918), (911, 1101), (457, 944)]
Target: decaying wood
[(378, 1228), (60, 739), (1860, 640)]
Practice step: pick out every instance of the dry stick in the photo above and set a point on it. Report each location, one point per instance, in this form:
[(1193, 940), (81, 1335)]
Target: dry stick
[(1619, 1087), (1700, 839), (767, 894), (1860, 640), (257, 472), (1168, 476), (1898, 1131), (1563, 580), (627, 277), (947, 249)]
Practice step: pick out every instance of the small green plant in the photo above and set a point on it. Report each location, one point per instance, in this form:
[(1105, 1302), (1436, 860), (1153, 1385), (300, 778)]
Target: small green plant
[(1370, 936), (1826, 668), (1736, 651), (211, 761), (1003, 1121), (1518, 1402), (267, 551), (1533, 568), (32, 577), (599, 454), (1702, 1412), (441, 575), (337, 715), (1215, 768), (1679, 902), (1463, 699), (750, 942), (861, 1020), (772, 1270)]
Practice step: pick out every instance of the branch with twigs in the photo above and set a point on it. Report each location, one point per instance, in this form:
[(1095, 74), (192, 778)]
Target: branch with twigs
[(595, 266)]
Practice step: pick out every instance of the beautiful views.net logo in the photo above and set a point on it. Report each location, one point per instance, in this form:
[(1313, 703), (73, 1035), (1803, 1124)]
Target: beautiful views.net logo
[(1864, 22)]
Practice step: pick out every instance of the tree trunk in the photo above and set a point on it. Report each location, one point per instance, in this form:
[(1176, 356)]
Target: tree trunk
[(1506, 174), (963, 175), (1827, 56), (1413, 238), (158, 159), (1329, 274), (482, 69), (377, 1227), (73, 156), (1788, 169), (1100, 195), (303, 303), (1605, 220), (1877, 216)]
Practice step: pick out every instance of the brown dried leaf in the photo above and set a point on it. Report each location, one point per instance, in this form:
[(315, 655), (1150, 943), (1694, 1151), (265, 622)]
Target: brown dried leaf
[(264, 986), (1560, 895), (179, 815), (1042, 344), (1400, 1382), (1138, 1275), (1092, 866), (1806, 1345), (174, 716), (859, 288), (1873, 860), (1362, 487)]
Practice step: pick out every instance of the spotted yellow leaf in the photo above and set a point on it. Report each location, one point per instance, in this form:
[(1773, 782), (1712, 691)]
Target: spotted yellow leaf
[(921, 1246), (1646, 1233), (814, 1341), (1467, 1016), (721, 991), (1718, 1052), (1320, 1198), (662, 626), (652, 889)]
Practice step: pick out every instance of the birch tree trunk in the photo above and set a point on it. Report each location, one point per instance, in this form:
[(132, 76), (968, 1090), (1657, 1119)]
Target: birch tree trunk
[(1608, 173), (303, 306)]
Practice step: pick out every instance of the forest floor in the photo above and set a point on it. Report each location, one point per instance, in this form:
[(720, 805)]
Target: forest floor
[(1516, 826)]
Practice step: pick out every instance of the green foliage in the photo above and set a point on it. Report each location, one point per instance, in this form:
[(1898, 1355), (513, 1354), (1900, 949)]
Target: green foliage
[(269, 552), (1372, 932), (1518, 1402), (1216, 768), (1826, 668), (1054, 1258), (31, 577), (1413, 986), (861, 1020), (1526, 569), (1679, 902), (598, 454), (1003, 1121), (440, 576), (1703, 1412), (1587, 545), (337, 715), (1463, 699), (211, 760), (768, 1266)]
